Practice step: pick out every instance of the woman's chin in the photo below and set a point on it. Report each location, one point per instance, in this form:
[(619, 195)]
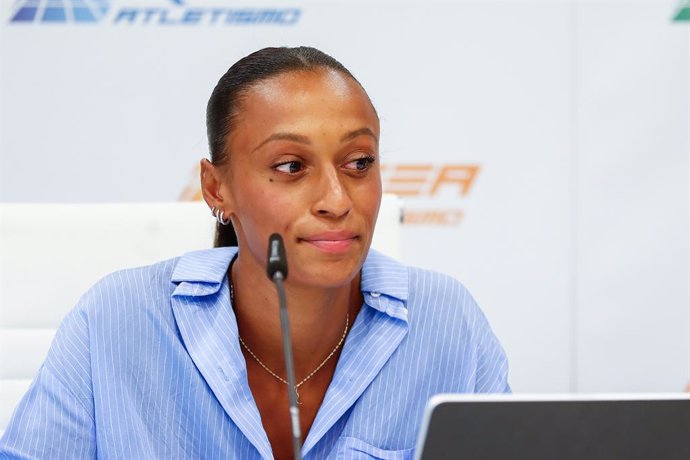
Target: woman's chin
[(325, 275)]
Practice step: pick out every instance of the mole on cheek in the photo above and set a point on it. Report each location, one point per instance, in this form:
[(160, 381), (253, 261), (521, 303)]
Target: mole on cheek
[(270, 179)]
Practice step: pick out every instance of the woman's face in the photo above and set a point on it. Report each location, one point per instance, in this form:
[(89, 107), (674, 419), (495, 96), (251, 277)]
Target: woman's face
[(304, 163)]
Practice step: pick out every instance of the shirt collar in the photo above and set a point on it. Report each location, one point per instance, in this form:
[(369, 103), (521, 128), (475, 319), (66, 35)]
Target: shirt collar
[(384, 280), (385, 285), (201, 273), (384, 275)]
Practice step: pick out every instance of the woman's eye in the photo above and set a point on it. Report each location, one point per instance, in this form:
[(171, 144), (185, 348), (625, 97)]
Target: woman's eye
[(361, 164), (289, 167)]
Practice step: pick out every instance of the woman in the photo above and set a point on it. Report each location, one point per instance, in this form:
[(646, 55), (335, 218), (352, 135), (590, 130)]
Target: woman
[(183, 359)]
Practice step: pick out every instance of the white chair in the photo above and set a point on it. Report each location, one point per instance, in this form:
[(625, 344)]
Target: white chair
[(50, 254)]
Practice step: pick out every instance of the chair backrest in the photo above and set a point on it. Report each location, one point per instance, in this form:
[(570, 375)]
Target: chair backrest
[(50, 254)]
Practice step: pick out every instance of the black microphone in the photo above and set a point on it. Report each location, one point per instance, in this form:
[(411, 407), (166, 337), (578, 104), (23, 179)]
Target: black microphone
[(277, 262), (277, 269)]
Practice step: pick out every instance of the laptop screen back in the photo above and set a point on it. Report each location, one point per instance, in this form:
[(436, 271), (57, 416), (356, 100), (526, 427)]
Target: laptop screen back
[(556, 427)]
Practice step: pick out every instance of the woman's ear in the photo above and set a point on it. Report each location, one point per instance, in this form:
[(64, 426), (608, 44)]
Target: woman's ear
[(214, 189)]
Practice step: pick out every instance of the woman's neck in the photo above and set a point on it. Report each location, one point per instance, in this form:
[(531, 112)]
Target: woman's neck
[(317, 317)]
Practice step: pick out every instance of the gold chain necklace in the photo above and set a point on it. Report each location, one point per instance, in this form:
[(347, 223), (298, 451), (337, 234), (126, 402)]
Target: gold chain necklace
[(330, 355)]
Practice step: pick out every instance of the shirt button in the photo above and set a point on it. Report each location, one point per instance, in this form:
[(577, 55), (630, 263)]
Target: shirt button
[(376, 294), (225, 374)]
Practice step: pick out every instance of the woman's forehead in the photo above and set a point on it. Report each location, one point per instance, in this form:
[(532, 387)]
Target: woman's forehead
[(304, 85), (302, 100), (310, 110)]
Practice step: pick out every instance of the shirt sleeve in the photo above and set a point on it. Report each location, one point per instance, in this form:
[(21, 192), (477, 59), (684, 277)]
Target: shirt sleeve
[(492, 364), (55, 418)]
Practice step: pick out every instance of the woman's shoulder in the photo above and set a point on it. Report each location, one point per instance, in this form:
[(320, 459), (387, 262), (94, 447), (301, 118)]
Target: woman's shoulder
[(415, 285), (151, 285), (129, 283), (437, 288), (444, 321)]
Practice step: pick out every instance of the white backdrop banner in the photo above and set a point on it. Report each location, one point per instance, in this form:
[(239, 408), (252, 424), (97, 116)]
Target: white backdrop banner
[(541, 147)]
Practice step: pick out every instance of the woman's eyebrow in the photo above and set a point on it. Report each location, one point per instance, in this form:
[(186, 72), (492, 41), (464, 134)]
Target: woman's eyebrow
[(359, 132), (305, 140), (284, 137)]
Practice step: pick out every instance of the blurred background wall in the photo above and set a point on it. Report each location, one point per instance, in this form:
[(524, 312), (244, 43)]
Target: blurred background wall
[(542, 147)]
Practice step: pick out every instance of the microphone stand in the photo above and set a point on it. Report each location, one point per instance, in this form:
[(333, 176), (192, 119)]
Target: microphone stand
[(277, 270), (290, 367)]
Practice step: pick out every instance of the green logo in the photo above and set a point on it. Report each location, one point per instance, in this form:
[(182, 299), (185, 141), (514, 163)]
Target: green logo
[(683, 13)]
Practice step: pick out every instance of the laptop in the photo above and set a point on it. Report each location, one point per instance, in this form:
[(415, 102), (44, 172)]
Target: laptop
[(556, 427)]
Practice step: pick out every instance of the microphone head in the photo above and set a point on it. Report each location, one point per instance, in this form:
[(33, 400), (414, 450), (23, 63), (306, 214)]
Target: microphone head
[(277, 262)]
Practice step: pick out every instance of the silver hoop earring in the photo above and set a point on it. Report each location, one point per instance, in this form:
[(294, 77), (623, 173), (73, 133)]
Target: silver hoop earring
[(223, 221), (220, 216)]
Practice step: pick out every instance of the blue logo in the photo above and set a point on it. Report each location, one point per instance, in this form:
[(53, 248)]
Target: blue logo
[(170, 12), (57, 11)]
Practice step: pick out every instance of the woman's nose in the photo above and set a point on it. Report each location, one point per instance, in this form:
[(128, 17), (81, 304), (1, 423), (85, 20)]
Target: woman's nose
[(333, 199)]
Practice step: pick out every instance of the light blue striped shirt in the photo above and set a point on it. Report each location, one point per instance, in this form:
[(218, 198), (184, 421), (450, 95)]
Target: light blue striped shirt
[(148, 365)]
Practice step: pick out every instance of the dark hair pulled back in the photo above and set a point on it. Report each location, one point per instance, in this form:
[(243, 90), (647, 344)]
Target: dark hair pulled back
[(224, 104)]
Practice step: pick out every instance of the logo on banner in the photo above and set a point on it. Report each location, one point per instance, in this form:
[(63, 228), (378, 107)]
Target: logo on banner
[(55, 11), (683, 13), (433, 194), (147, 13)]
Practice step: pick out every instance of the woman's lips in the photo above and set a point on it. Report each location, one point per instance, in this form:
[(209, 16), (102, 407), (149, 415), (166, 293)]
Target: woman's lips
[(332, 242)]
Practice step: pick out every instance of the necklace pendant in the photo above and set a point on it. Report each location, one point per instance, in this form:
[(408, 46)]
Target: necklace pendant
[(297, 397)]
